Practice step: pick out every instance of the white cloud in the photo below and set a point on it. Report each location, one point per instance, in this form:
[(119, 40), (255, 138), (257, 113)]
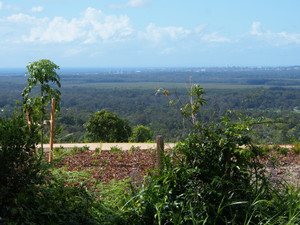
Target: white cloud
[(214, 37), (199, 29), (20, 18), (255, 28), (136, 3), (156, 34), (131, 3), (57, 30), (107, 28), (37, 9), (91, 27), (1, 5), (279, 38)]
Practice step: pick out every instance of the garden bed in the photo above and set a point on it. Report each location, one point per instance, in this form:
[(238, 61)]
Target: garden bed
[(134, 164)]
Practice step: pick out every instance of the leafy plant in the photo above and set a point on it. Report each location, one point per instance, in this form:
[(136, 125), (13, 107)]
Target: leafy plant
[(133, 148), (214, 176), (284, 151), (107, 127), (116, 149), (209, 178), (41, 72), (296, 148), (98, 150), (58, 151), (30, 194), (141, 133)]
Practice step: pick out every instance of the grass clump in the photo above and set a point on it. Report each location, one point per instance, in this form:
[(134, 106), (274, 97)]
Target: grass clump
[(116, 149), (296, 148)]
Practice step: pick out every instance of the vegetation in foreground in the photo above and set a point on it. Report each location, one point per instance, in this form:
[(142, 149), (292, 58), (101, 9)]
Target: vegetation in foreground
[(207, 179)]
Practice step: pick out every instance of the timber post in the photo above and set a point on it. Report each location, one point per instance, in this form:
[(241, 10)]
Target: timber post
[(52, 130)]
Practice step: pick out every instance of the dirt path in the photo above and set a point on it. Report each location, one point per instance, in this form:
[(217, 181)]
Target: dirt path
[(108, 146)]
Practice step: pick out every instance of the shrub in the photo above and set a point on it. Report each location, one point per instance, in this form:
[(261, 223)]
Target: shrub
[(30, 194), (105, 126), (20, 168), (141, 134), (210, 179)]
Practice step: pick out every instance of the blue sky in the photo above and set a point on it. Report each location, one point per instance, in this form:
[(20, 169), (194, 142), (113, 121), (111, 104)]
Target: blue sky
[(150, 33)]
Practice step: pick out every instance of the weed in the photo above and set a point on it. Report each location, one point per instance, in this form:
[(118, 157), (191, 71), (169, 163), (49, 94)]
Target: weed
[(85, 148), (296, 148), (133, 148), (58, 151), (104, 164), (71, 178), (74, 150), (96, 161), (116, 149), (113, 194), (98, 150), (284, 151), (266, 149), (276, 147)]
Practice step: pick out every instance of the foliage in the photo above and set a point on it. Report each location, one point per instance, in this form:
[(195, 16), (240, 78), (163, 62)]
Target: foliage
[(30, 194), (296, 148), (195, 101), (141, 133), (86, 93), (211, 179), (41, 72), (116, 149), (107, 127), (191, 109), (20, 167), (133, 148), (214, 177)]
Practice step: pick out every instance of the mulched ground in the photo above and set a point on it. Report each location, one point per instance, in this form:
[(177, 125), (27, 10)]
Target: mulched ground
[(106, 165)]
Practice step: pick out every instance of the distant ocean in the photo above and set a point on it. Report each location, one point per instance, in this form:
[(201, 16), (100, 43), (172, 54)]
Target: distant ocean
[(72, 70)]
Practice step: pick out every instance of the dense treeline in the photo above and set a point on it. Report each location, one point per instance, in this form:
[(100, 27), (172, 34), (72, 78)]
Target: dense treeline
[(132, 96)]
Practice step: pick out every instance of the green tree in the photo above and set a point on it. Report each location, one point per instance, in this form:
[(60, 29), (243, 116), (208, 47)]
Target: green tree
[(141, 134), (107, 127), (41, 73)]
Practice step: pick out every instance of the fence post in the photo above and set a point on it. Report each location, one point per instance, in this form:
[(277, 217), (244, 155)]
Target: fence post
[(159, 151), (52, 130)]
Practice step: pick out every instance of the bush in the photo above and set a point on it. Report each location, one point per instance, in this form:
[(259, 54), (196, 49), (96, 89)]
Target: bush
[(105, 126), (209, 179), (141, 134), (30, 194), (20, 168)]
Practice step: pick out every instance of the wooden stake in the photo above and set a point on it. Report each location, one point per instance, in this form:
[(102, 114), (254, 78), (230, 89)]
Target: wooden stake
[(52, 130), (159, 152), (28, 119)]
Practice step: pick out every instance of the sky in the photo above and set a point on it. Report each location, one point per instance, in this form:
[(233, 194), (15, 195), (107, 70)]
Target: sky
[(150, 33)]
